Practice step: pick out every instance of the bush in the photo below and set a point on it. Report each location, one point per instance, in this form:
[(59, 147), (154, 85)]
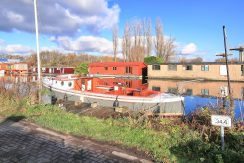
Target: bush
[(81, 69), (153, 60)]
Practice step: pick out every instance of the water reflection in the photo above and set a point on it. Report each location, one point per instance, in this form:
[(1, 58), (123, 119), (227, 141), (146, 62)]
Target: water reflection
[(197, 88), (201, 93), (20, 85), (23, 78)]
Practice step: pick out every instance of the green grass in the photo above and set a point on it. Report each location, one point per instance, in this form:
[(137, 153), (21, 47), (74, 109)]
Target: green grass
[(173, 144)]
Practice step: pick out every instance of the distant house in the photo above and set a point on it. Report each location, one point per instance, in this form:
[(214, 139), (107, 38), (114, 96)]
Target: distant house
[(19, 68), (204, 70), (4, 66), (123, 69)]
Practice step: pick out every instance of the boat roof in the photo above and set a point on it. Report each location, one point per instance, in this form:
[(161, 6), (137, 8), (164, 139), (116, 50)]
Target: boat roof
[(104, 64)]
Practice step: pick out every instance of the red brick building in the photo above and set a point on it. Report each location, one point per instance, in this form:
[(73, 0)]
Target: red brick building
[(133, 69)]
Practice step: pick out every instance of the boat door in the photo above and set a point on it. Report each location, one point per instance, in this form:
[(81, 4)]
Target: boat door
[(83, 86), (89, 85)]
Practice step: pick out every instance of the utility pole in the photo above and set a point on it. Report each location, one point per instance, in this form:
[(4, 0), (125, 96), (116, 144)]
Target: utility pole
[(228, 75), (37, 48)]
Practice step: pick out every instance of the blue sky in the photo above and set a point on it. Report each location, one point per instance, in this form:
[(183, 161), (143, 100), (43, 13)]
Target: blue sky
[(75, 26)]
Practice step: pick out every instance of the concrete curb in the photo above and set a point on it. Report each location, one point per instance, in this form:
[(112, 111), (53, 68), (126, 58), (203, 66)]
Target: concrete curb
[(124, 156), (129, 157)]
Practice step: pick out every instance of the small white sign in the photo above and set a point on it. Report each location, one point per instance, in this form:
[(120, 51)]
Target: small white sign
[(221, 120)]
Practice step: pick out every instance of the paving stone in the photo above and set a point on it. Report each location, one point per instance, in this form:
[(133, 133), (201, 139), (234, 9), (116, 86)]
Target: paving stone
[(21, 144)]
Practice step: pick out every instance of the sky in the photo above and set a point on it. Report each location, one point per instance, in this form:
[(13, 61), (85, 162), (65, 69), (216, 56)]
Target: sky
[(84, 26)]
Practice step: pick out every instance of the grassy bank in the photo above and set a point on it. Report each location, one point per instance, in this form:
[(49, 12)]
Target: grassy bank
[(172, 142)]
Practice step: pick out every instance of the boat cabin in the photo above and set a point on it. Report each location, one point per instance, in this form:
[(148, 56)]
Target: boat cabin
[(122, 69)]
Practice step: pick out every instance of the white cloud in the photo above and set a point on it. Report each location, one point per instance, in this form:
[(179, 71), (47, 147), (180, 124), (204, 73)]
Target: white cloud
[(88, 44), (15, 49), (58, 17), (190, 48)]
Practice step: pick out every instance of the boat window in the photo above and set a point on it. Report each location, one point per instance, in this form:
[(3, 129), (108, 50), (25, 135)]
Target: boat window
[(114, 68), (188, 92), (128, 84), (62, 83), (105, 68), (188, 67), (204, 67), (242, 93), (205, 92), (172, 67), (70, 84), (156, 67), (128, 70), (155, 88), (82, 81), (242, 70)]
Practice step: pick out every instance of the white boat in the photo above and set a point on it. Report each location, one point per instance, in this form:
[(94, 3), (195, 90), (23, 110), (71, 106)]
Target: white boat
[(130, 93)]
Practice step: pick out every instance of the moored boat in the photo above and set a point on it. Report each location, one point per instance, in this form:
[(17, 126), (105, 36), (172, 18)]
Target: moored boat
[(122, 92)]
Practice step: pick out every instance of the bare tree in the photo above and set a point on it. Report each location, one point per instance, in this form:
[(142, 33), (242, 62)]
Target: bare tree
[(124, 49), (164, 47), (159, 40), (138, 48), (168, 49), (115, 42), (138, 41), (126, 43), (147, 31)]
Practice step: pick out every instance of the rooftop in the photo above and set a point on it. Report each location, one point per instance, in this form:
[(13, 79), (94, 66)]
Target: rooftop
[(102, 64)]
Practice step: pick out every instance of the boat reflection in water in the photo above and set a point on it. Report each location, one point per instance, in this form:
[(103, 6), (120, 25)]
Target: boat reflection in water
[(199, 93), (21, 84), (132, 93)]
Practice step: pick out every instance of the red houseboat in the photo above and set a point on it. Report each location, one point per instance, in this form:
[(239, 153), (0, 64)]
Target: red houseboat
[(131, 93), (118, 69)]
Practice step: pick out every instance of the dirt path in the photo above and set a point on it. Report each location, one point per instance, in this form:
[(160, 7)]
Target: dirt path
[(26, 142)]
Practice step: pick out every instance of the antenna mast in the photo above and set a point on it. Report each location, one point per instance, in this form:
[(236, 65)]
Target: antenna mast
[(228, 76)]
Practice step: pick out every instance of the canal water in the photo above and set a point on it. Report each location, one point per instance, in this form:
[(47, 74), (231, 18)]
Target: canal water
[(197, 93)]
